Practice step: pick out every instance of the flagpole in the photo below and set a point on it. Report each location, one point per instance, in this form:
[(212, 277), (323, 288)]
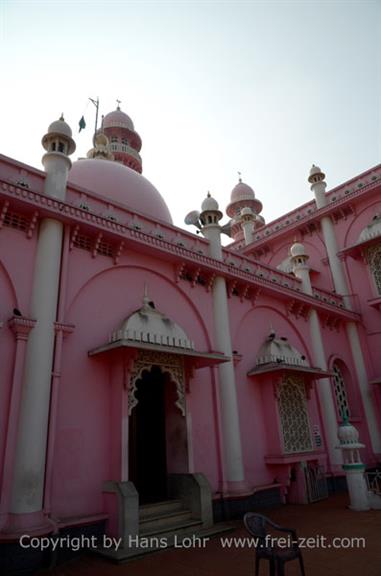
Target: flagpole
[(96, 116), (96, 104)]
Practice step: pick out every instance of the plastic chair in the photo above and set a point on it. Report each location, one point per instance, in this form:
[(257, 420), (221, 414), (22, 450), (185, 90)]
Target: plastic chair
[(262, 528)]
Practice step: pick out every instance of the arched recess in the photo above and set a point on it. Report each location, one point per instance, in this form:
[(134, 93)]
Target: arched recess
[(7, 291), (133, 298), (8, 301), (168, 364), (262, 319), (359, 222)]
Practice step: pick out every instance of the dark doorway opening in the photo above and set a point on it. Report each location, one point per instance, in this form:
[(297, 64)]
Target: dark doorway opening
[(147, 441)]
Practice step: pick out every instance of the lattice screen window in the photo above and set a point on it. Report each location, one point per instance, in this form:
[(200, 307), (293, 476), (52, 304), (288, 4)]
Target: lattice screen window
[(340, 393), (374, 259), (294, 416)]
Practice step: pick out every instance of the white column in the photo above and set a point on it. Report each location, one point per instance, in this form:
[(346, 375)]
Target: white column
[(234, 469), (29, 470), (341, 287), (247, 227), (324, 387)]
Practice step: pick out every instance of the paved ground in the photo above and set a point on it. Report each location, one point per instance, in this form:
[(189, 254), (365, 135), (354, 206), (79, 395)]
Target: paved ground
[(329, 518)]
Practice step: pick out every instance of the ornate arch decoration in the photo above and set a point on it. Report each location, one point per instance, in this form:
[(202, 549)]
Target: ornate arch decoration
[(168, 364)]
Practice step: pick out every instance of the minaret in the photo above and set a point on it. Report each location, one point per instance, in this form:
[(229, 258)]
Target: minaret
[(244, 210), (234, 470), (29, 467), (299, 259), (318, 186), (125, 142), (353, 467)]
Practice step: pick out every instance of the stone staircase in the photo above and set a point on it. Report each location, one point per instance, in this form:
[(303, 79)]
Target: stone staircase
[(184, 521), (166, 520)]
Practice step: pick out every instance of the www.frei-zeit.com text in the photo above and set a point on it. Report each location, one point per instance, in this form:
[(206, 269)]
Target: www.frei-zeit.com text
[(77, 543)]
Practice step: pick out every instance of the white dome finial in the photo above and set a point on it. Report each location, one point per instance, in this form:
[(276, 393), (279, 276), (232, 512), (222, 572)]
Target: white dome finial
[(316, 175)]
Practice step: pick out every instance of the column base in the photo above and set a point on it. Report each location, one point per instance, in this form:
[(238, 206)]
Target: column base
[(236, 488), (32, 524)]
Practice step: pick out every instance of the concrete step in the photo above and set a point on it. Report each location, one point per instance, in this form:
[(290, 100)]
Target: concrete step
[(173, 526), (164, 541), (158, 508), (153, 523)]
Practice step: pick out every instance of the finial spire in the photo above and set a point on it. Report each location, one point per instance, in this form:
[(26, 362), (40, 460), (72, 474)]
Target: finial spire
[(239, 176), (118, 103), (62, 117), (145, 296)]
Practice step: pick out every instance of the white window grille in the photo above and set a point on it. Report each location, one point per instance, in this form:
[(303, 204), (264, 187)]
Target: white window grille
[(374, 258), (340, 393), (294, 416)]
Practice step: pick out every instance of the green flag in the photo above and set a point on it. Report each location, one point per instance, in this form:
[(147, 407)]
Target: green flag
[(82, 124)]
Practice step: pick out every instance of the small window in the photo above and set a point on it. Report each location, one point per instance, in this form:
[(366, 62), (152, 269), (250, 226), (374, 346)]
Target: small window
[(61, 147)]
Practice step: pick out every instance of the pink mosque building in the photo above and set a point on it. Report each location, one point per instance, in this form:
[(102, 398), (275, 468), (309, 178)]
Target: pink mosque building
[(154, 381)]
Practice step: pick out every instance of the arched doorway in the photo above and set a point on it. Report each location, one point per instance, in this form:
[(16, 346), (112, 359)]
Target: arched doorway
[(157, 434)]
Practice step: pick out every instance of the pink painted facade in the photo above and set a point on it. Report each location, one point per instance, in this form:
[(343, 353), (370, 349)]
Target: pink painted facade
[(118, 243)]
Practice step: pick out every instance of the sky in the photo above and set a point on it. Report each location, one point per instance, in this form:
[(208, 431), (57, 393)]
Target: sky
[(213, 88)]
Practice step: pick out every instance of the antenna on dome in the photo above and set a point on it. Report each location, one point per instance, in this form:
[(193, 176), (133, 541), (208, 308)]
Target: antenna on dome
[(193, 219)]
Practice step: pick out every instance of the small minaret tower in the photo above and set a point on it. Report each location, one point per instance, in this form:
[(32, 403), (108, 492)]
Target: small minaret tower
[(299, 259), (244, 210), (318, 185), (125, 142), (353, 466), (29, 463)]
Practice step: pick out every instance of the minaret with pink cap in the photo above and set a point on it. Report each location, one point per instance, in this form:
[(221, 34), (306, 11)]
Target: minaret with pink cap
[(244, 210)]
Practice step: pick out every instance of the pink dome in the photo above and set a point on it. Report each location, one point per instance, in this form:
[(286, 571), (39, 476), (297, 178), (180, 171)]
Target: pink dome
[(119, 183), (118, 119), (241, 192)]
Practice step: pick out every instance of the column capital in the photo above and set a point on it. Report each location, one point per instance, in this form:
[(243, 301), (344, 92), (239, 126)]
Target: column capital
[(21, 326)]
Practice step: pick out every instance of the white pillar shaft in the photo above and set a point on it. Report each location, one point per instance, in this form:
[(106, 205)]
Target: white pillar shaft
[(56, 167), (318, 188), (228, 394), (247, 227), (29, 471), (357, 489), (367, 394), (324, 388), (341, 287), (335, 264), (234, 469), (29, 468)]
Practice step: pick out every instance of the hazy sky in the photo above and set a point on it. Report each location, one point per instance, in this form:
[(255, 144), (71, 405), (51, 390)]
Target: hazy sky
[(267, 88)]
